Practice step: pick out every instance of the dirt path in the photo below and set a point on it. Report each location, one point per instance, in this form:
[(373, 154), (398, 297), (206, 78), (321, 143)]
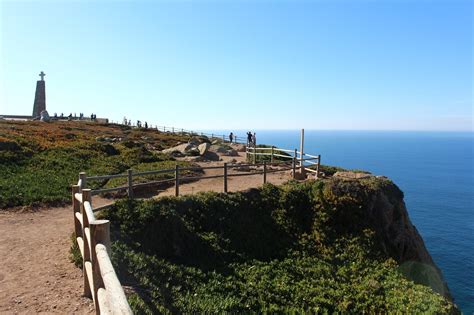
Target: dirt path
[(36, 275), (35, 272)]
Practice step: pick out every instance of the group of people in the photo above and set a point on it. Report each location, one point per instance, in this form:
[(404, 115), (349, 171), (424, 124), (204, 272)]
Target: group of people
[(251, 138), (73, 117), (139, 123)]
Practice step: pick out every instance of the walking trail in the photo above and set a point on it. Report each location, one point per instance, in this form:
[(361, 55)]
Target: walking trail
[(36, 275)]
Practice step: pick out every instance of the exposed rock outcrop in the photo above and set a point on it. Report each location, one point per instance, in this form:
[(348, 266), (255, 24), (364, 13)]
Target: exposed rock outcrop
[(386, 213), (203, 147)]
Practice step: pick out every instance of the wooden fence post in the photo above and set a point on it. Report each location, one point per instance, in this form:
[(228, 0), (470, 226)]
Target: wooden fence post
[(254, 155), (83, 179), (318, 165), (225, 177), (176, 181), (100, 234), (86, 196), (76, 207), (273, 148), (264, 172), (130, 183), (294, 167)]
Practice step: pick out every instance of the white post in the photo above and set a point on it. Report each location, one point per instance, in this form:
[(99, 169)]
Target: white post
[(301, 147)]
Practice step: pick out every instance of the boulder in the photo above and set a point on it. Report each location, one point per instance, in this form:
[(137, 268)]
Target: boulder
[(216, 141), (194, 141), (231, 152), (193, 152), (45, 116), (210, 156), (203, 148), (182, 148)]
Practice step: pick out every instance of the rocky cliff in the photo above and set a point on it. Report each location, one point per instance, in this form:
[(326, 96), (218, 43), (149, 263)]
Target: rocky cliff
[(338, 244), (398, 237)]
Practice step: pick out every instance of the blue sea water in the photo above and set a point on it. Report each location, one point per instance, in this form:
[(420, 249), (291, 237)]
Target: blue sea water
[(433, 169)]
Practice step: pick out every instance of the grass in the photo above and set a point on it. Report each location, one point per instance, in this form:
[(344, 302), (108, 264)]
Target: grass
[(40, 161), (297, 248)]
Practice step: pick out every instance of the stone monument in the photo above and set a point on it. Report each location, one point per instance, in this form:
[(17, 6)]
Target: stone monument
[(40, 97)]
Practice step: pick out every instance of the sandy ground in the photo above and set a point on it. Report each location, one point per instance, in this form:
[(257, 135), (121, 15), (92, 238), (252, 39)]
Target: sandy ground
[(237, 183), (36, 275)]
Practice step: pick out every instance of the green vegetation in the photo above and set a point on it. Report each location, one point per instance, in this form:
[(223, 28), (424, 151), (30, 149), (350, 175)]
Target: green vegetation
[(40, 161), (296, 248)]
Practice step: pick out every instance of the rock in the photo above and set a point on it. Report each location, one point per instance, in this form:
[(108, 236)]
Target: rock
[(45, 116), (194, 141), (216, 141), (400, 239), (203, 148), (223, 149), (182, 148), (231, 152), (210, 156), (193, 152), (352, 175)]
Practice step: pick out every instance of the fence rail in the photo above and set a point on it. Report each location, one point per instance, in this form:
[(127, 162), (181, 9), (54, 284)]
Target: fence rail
[(255, 168), (93, 239), (225, 138)]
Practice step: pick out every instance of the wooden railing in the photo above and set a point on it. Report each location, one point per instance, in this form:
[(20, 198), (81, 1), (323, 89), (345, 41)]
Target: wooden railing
[(93, 239), (262, 168), (253, 152)]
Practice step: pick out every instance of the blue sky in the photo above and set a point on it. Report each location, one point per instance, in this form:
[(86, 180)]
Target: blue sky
[(365, 65)]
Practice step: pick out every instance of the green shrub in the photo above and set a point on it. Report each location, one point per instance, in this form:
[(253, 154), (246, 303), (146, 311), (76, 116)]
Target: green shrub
[(297, 248), (74, 252)]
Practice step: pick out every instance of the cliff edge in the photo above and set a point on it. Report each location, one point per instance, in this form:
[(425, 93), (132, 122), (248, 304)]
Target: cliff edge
[(398, 237), (339, 244)]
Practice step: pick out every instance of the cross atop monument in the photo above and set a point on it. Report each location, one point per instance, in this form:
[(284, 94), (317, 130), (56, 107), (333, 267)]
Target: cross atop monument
[(42, 75)]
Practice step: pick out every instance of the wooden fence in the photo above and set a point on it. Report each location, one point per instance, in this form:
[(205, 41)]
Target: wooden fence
[(305, 160), (93, 238), (224, 138), (291, 162)]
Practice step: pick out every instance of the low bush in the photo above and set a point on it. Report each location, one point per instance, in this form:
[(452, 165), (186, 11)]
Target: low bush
[(298, 248)]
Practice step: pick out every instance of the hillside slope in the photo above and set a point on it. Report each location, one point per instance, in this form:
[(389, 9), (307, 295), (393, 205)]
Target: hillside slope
[(39, 161), (331, 245)]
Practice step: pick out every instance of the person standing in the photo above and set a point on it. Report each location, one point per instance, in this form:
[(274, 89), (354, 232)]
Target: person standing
[(254, 139), (249, 138), (231, 137)]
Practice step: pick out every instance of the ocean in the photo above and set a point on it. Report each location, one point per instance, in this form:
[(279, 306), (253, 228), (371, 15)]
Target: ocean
[(433, 169)]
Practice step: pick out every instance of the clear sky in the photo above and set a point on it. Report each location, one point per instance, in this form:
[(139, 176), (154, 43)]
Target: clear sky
[(370, 65)]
